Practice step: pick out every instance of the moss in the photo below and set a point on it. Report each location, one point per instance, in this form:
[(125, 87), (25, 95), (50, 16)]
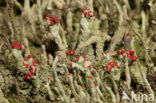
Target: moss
[(95, 25), (36, 52), (139, 50), (13, 100), (77, 17), (143, 63)]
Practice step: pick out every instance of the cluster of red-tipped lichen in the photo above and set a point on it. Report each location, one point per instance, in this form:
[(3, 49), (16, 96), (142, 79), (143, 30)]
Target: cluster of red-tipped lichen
[(107, 54), (84, 59), (14, 45), (92, 69), (53, 20), (95, 84), (72, 52), (129, 54), (32, 67), (80, 58), (87, 13), (48, 81), (122, 53), (111, 65)]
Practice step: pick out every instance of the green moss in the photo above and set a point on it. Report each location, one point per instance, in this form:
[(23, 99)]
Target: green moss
[(77, 16), (36, 52), (95, 25), (143, 63), (13, 100), (139, 50)]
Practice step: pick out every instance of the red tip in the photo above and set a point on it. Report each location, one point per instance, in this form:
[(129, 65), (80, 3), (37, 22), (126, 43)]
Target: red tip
[(130, 57), (123, 51), (125, 81), (32, 73), (52, 23), (14, 44), (132, 52), (43, 85), (72, 52), (35, 69), (77, 58), (81, 14), (26, 76), (107, 66), (127, 34), (51, 19), (58, 55), (26, 65), (17, 45), (69, 74), (56, 19), (32, 69), (25, 60), (84, 58), (35, 63), (110, 69), (89, 67), (71, 64), (29, 56), (95, 84), (68, 52), (48, 79), (94, 71), (90, 78), (20, 46), (111, 63), (135, 58), (48, 16), (84, 9), (116, 64)]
